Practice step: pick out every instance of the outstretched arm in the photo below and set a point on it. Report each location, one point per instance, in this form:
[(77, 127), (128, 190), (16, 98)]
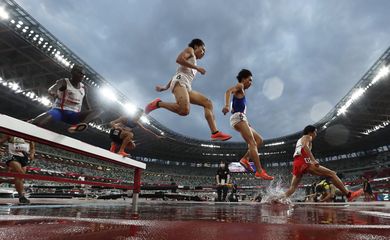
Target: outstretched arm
[(228, 93), (147, 130), (160, 88)]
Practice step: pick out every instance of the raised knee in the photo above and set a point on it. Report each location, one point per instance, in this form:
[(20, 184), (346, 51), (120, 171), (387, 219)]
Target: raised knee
[(184, 111), (208, 104)]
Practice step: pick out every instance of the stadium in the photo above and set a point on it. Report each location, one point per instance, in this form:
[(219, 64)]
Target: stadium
[(175, 175)]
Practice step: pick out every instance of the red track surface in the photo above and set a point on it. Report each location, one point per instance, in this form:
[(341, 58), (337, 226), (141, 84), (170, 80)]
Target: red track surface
[(172, 220)]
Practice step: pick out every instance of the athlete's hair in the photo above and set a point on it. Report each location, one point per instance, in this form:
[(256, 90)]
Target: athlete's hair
[(309, 129), (244, 73), (320, 188), (76, 68), (196, 42)]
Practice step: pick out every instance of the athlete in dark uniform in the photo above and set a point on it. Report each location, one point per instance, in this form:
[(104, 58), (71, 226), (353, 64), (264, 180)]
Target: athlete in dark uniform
[(121, 133), (368, 195)]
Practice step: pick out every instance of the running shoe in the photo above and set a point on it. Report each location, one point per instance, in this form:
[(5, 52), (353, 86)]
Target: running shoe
[(78, 128), (246, 164), (113, 147), (23, 200), (220, 136), (123, 154), (152, 105), (353, 195), (263, 175)]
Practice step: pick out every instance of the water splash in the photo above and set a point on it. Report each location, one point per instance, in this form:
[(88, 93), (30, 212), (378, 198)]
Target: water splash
[(274, 193)]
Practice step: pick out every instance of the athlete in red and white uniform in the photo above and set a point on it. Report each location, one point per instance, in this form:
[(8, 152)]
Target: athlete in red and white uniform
[(304, 162), (69, 95), (180, 86)]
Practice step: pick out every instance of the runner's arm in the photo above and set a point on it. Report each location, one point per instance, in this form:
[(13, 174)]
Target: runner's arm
[(184, 56), (306, 142), (160, 88), (32, 151), (228, 93), (87, 105), (60, 85)]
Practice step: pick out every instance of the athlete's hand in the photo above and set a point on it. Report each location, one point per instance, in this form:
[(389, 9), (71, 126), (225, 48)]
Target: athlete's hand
[(201, 70), (160, 88), (32, 156), (225, 110)]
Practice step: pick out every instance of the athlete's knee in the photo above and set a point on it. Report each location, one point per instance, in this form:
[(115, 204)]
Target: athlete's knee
[(332, 174), (259, 142), (252, 143), (184, 110), (208, 104)]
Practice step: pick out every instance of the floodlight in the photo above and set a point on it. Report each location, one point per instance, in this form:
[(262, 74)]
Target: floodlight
[(3, 13)]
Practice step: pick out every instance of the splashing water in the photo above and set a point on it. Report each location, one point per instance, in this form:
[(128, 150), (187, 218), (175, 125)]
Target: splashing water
[(274, 193)]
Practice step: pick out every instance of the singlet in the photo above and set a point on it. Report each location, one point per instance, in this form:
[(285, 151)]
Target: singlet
[(299, 149), (71, 99), (18, 147), (186, 70), (238, 104)]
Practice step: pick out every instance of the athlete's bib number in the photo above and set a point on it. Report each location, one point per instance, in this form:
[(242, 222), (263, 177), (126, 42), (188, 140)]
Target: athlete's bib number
[(116, 132)]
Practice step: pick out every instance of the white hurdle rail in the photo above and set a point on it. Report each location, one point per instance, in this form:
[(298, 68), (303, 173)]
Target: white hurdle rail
[(28, 131)]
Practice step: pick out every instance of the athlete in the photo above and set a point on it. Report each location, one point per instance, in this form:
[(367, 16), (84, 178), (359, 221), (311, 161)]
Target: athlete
[(121, 133), (304, 162), (68, 95), (239, 122), (20, 152), (368, 195), (181, 88)]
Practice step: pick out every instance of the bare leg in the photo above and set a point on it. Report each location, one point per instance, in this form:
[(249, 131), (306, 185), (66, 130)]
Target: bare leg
[(182, 104), (325, 172), (247, 134), (17, 168), (200, 100), (42, 119), (294, 185), (126, 137), (258, 139), (87, 116)]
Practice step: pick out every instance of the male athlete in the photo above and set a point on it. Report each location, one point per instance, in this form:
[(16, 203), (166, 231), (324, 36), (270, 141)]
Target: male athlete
[(19, 154), (68, 95), (121, 133), (240, 123), (180, 86), (304, 162)]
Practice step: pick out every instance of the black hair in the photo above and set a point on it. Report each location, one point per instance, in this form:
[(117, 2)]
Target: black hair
[(309, 129), (320, 188), (196, 42), (244, 73), (76, 68)]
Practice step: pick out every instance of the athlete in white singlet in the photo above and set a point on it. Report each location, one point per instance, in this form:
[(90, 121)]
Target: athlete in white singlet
[(180, 86), (69, 95), (17, 158)]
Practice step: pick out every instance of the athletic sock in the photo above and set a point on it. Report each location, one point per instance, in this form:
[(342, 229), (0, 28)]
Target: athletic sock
[(215, 132), (158, 104)]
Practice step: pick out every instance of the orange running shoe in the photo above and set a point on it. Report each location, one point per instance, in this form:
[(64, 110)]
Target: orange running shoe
[(263, 175), (220, 136), (353, 195), (152, 105), (246, 164), (123, 153), (113, 147)]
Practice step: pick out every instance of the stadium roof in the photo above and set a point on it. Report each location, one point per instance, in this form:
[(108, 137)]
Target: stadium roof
[(32, 59)]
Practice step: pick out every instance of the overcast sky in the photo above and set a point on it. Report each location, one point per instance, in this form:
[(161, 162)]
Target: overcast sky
[(304, 55)]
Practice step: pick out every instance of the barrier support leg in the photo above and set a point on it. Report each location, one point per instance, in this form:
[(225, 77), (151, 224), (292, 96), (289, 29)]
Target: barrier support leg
[(137, 189)]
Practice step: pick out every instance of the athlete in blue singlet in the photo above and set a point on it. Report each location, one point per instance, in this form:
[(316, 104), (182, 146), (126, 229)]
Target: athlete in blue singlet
[(239, 122)]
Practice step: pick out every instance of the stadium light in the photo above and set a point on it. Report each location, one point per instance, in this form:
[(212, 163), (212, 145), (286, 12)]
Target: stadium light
[(381, 73), (355, 96), (108, 93), (130, 108), (377, 127), (3, 13), (45, 101), (144, 119), (274, 144)]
